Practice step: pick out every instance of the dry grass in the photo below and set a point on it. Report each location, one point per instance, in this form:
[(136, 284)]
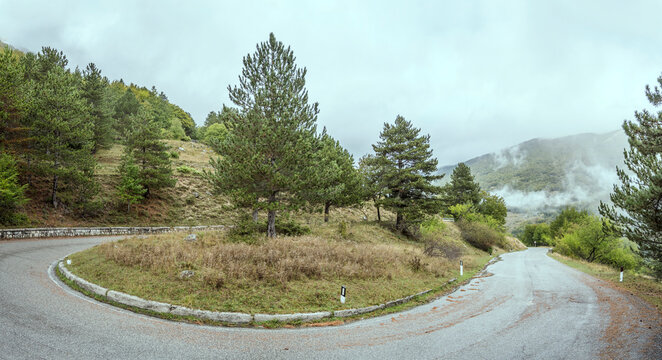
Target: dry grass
[(282, 275)]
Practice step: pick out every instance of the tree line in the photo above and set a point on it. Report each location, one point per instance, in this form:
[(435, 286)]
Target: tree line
[(273, 159), (53, 119)]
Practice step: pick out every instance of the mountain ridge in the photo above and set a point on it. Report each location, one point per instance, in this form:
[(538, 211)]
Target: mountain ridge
[(542, 175)]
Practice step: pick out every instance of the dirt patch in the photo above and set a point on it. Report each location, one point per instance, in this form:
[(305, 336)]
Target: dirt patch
[(634, 326)]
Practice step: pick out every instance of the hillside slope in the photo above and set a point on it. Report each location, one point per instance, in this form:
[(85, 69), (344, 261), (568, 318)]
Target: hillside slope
[(542, 175)]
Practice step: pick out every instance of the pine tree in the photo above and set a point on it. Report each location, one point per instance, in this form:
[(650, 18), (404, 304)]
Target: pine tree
[(13, 99), (61, 133), (151, 155), (335, 181), (93, 89), (462, 188), (11, 192), (269, 148), (126, 106), (408, 172), (639, 197), (130, 190), (372, 184)]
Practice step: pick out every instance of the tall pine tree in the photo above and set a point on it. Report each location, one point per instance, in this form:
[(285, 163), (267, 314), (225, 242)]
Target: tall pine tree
[(93, 89), (269, 148), (637, 201), (408, 170), (60, 131), (144, 146), (462, 189)]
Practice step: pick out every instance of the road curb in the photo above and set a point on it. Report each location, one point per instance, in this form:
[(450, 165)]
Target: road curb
[(26, 233), (235, 318)]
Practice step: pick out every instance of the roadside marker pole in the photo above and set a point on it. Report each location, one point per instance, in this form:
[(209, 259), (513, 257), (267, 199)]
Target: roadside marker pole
[(342, 294), (461, 268), (621, 280)]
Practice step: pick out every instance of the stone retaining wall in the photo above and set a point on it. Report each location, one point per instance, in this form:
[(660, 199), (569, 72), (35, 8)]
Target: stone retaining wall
[(226, 317), (96, 231)]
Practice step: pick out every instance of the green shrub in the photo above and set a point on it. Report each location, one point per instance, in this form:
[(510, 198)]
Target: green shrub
[(590, 240), (188, 170), (432, 226), (289, 227), (174, 154), (245, 229), (481, 236)]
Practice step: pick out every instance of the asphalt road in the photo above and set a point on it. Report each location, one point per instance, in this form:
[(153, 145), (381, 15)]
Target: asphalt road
[(527, 306)]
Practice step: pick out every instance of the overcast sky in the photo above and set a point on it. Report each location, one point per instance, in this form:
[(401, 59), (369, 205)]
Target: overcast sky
[(477, 76)]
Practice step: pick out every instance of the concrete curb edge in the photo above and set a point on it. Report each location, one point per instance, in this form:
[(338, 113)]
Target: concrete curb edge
[(226, 317)]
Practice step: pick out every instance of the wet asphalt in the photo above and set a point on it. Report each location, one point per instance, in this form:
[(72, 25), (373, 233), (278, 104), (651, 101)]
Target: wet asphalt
[(525, 306)]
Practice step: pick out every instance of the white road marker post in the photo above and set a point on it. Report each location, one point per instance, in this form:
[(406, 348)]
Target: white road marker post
[(342, 294), (621, 279), (461, 268)]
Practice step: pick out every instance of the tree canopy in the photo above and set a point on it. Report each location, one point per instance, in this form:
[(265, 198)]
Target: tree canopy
[(637, 201), (269, 149), (407, 170)]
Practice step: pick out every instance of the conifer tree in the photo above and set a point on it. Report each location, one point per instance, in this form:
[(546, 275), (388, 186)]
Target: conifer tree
[(408, 169), (126, 106), (372, 184), (13, 102), (335, 181), (269, 148), (462, 188), (93, 89), (60, 131), (151, 155), (130, 190), (11, 192), (639, 196)]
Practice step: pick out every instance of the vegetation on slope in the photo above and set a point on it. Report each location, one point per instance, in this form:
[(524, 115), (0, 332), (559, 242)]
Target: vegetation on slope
[(283, 275)]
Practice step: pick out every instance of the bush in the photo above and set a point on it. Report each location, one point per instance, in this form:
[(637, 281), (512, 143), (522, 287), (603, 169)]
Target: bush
[(289, 227), (449, 250), (481, 236), (536, 234), (247, 230), (188, 170), (432, 226), (591, 241)]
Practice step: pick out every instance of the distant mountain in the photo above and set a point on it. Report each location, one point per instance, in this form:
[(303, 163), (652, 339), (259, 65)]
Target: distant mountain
[(542, 175), (3, 44)]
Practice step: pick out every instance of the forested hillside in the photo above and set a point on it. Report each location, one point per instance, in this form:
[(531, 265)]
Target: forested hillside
[(58, 126), (544, 175)]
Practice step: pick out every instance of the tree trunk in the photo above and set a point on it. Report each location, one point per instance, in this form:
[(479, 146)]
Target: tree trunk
[(54, 194), (326, 211), (398, 221), (271, 217), (379, 216), (255, 215)]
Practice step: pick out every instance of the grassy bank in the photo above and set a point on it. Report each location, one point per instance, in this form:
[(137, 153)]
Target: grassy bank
[(646, 288), (284, 275)]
